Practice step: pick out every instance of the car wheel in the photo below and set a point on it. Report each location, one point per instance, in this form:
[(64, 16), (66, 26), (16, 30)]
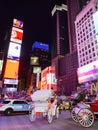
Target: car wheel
[(8, 112), (32, 115)]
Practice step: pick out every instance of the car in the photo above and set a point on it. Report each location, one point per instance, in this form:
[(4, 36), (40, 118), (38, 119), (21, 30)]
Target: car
[(10, 106)]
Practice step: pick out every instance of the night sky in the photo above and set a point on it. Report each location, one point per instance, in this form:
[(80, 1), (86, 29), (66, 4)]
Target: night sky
[(36, 15)]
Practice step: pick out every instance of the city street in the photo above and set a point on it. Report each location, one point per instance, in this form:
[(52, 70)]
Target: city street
[(22, 122)]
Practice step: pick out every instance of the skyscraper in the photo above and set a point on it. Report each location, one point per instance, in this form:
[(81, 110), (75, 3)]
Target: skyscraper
[(63, 33), (66, 67), (60, 39), (74, 7), (40, 52)]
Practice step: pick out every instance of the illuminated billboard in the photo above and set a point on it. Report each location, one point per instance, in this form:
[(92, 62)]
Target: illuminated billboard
[(48, 78), (11, 81), (14, 51), (40, 46), (11, 69), (88, 72), (95, 17), (36, 69), (11, 89), (1, 65), (34, 60), (18, 23), (16, 35)]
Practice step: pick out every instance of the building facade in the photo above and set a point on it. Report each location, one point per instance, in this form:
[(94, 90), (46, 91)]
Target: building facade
[(39, 60), (66, 66), (74, 7), (86, 25), (87, 44), (66, 72), (40, 53), (60, 40)]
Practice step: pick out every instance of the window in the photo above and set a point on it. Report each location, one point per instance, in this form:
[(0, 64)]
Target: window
[(19, 102), (89, 51), (6, 102), (90, 34), (94, 54), (92, 44), (93, 49)]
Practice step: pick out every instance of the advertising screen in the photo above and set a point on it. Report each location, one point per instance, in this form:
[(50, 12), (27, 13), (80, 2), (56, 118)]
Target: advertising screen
[(88, 72), (48, 77), (95, 17), (11, 81), (14, 51), (11, 69), (34, 60), (40, 46), (16, 35), (36, 69), (1, 65), (11, 89), (18, 23)]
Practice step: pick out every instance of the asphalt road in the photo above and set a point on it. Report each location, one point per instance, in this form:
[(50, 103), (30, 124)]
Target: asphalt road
[(22, 122)]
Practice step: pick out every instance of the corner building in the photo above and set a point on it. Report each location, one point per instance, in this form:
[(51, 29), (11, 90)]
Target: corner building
[(87, 44)]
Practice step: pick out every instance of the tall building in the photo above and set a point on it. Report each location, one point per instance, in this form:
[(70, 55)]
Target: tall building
[(86, 26), (60, 39), (74, 7), (86, 35), (63, 33), (40, 55), (66, 67), (39, 60)]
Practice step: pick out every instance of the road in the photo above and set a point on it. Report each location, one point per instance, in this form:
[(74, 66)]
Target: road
[(22, 122)]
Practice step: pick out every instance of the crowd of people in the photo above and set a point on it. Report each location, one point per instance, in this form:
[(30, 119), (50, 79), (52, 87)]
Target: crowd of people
[(63, 101), (14, 95)]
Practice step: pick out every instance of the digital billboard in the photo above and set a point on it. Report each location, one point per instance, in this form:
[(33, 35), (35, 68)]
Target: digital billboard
[(11, 89), (1, 65), (14, 51), (11, 69), (34, 60), (16, 35), (36, 69), (88, 72), (18, 23), (48, 78), (95, 17), (40, 46), (11, 81)]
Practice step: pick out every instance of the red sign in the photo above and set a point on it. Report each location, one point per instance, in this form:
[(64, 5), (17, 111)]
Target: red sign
[(16, 35)]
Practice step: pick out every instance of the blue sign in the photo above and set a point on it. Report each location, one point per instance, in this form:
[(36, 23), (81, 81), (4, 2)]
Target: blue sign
[(40, 46)]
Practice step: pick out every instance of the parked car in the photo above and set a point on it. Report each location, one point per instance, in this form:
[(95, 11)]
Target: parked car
[(10, 106)]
